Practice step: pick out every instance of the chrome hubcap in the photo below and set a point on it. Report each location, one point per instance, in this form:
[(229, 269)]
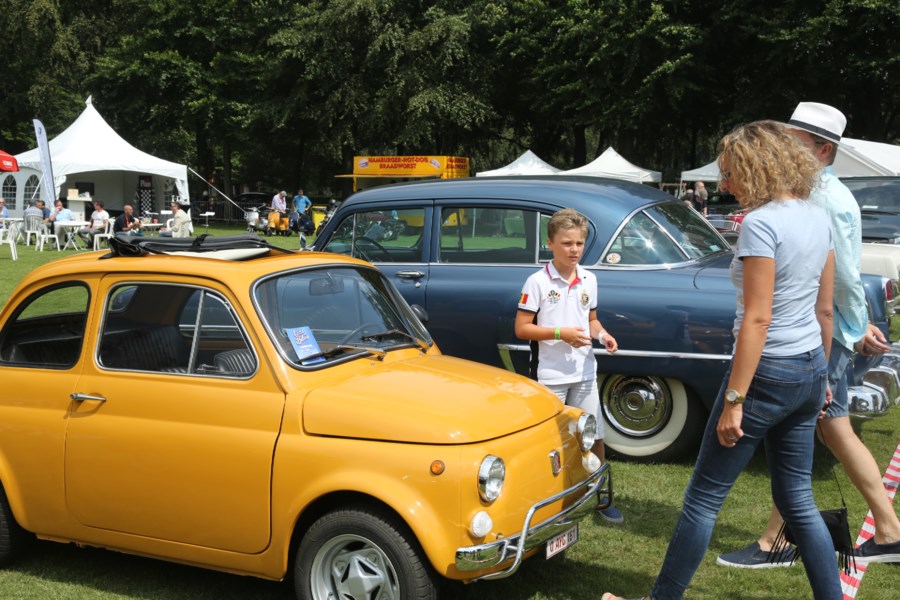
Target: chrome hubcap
[(351, 567), (636, 406)]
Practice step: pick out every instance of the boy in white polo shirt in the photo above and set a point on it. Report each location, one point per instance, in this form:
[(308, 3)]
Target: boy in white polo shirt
[(564, 296)]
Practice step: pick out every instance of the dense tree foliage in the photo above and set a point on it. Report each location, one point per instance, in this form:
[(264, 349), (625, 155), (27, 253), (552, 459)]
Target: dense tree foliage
[(272, 93)]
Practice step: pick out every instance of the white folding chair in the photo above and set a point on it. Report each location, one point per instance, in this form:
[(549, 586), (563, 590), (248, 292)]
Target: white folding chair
[(32, 228), (45, 234), (107, 233), (12, 232)]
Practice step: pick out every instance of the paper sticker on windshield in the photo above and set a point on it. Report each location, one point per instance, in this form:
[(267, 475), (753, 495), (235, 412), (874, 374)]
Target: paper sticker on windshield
[(304, 343), (613, 258)]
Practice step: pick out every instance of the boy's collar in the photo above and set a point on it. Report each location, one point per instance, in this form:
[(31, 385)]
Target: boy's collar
[(553, 273)]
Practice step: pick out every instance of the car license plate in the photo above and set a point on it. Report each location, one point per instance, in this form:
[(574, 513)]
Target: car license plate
[(562, 541)]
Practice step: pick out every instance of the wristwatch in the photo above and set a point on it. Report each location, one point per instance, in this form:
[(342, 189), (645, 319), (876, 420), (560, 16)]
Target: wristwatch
[(732, 397)]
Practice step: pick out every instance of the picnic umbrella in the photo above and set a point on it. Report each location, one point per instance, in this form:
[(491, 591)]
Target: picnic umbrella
[(8, 162)]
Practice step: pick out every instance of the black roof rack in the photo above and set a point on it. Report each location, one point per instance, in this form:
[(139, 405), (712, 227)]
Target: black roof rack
[(230, 247)]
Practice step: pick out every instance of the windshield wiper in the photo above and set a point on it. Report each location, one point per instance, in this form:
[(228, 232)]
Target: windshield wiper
[(880, 211), (376, 352), (393, 332)]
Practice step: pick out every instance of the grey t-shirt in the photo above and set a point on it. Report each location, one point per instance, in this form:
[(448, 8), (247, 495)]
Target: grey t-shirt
[(797, 235)]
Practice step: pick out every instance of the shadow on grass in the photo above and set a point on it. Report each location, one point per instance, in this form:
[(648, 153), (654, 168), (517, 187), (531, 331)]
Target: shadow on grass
[(111, 574), (556, 578)]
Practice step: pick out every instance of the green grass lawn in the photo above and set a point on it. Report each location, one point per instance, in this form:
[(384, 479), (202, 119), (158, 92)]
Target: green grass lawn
[(622, 558)]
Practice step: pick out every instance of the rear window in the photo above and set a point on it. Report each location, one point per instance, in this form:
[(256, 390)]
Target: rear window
[(664, 234), (880, 195)]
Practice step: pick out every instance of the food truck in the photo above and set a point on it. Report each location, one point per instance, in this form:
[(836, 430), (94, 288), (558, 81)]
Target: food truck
[(371, 171)]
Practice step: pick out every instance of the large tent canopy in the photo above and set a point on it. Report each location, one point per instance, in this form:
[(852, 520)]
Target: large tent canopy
[(527, 164), (612, 164), (855, 158), (90, 145), (708, 172)]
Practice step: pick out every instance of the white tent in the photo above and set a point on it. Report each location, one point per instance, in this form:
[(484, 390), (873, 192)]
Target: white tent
[(89, 151), (527, 164), (708, 172), (612, 164), (855, 158)]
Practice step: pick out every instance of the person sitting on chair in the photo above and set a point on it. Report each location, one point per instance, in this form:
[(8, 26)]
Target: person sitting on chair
[(126, 224), (99, 221), (181, 223), (60, 213)]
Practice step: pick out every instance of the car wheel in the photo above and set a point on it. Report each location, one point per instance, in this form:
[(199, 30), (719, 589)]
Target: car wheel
[(12, 537), (649, 418), (362, 554)]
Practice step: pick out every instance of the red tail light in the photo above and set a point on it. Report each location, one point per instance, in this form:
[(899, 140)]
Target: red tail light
[(888, 290)]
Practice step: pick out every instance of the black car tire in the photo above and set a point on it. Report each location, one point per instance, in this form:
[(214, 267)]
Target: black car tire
[(649, 419), (12, 536), (362, 553)]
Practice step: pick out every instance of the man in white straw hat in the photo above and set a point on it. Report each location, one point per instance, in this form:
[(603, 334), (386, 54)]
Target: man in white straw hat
[(820, 127)]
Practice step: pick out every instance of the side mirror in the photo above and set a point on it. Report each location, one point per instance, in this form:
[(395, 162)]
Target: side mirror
[(420, 313)]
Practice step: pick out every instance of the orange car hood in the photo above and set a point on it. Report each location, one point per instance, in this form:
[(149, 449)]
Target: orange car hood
[(428, 400)]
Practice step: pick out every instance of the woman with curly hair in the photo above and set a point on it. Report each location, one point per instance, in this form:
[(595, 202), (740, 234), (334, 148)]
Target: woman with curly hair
[(783, 271)]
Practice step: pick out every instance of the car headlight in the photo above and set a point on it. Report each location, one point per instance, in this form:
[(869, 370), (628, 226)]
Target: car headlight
[(491, 475), (587, 431)]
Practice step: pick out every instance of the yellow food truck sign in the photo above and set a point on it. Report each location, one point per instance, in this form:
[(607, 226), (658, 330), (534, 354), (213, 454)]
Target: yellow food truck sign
[(411, 166), (369, 171)]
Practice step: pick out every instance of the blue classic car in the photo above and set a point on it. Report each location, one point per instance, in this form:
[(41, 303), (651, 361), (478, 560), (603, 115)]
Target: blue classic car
[(879, 203), (463, 248)]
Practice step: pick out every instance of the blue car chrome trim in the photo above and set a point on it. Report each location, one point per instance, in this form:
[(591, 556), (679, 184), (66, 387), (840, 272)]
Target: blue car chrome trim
[(505, 349), (486, 556)]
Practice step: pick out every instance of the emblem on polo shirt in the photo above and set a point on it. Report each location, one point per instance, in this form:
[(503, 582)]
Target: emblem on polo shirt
[(585, 298), (553, 297)]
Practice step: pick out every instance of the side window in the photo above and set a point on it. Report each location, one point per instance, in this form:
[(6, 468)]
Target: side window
[(386, 235), (491, 235), (173, 329), (544, 253), (47, 330), (221, 346)]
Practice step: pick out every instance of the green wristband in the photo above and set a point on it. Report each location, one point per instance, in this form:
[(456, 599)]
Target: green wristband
[(556, 334)]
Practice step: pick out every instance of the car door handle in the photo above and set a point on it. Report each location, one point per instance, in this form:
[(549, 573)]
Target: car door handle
[(410, 274), (82, 397)]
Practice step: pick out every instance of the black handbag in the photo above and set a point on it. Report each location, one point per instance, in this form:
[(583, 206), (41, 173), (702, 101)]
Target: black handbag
[(838, 527)]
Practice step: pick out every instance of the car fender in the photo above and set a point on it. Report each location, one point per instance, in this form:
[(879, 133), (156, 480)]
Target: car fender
[(427, 515)]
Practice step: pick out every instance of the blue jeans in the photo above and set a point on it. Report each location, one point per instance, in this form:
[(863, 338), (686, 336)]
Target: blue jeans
[(782, 406), (840, 363)]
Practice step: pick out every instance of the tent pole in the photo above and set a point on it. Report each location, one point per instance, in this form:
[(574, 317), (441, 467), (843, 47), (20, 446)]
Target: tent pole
[(223, 194)]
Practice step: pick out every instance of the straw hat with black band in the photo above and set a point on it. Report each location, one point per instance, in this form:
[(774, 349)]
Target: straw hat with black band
[(818, 119)]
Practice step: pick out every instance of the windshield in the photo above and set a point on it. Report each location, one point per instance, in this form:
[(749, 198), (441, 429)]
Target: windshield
[(664, 234), (881, 195), (319, 316)]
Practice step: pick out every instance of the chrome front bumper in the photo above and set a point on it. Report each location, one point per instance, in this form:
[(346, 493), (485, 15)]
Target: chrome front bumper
[(880, 386), (487, 556)]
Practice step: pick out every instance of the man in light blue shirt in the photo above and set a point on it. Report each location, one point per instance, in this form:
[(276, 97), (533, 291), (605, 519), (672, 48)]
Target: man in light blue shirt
[(301, 202), (820, 127), (60, 213)]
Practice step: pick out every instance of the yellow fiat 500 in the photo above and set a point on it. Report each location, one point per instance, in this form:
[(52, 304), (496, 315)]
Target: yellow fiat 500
[(229, 406)]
